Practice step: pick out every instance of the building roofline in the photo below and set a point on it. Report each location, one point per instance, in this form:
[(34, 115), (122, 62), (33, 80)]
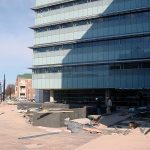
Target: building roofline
[(25, 76), (51, 4), (92, 40)]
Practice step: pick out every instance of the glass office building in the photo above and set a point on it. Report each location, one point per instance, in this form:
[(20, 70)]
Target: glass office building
[(88, 48)]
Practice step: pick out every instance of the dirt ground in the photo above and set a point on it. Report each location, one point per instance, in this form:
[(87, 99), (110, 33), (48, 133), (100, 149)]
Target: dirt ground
[(17, 134), (13, 126), (133, 141)]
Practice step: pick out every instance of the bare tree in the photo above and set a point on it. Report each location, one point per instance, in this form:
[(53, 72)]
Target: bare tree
[(10, 89)]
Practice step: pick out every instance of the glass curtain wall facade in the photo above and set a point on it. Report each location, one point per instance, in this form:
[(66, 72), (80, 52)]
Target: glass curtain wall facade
[(91, 44)]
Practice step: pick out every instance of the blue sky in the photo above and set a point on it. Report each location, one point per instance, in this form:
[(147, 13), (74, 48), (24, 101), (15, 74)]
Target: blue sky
[(15, 37)]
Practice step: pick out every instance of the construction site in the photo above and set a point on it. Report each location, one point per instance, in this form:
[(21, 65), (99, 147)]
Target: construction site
[(89, 81), (54, 126)]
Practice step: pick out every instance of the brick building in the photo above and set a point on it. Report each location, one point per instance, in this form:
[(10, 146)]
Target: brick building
[(23, 87)]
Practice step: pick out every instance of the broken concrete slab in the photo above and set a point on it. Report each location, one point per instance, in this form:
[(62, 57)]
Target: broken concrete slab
[(92, 130), (55, 117), (83, 121), (113, 119), (51, 119), (77, 125)]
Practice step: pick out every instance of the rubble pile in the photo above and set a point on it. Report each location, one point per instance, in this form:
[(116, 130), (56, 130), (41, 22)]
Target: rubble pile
[(122, 122), (112, 125)]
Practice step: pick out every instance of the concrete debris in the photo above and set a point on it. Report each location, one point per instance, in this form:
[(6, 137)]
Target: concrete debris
[(119, 123), (22, 111), (147, 131), (133, 125), (11, 102), (33, 109), (95, 119), (114, 130), (66, 121), (75, 127), (2, 113), (45, 110), (84, 124), (83, 121), (92, 130)]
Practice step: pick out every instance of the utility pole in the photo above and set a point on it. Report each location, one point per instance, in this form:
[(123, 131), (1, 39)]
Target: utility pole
[(4, 88)]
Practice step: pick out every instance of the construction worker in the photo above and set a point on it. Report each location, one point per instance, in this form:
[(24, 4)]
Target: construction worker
[(109, 105), (99, 103)]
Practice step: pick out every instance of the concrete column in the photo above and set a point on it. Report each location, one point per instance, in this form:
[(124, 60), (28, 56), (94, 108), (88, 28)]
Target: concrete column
[(107, 95), (39, 96), (52, 96)]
